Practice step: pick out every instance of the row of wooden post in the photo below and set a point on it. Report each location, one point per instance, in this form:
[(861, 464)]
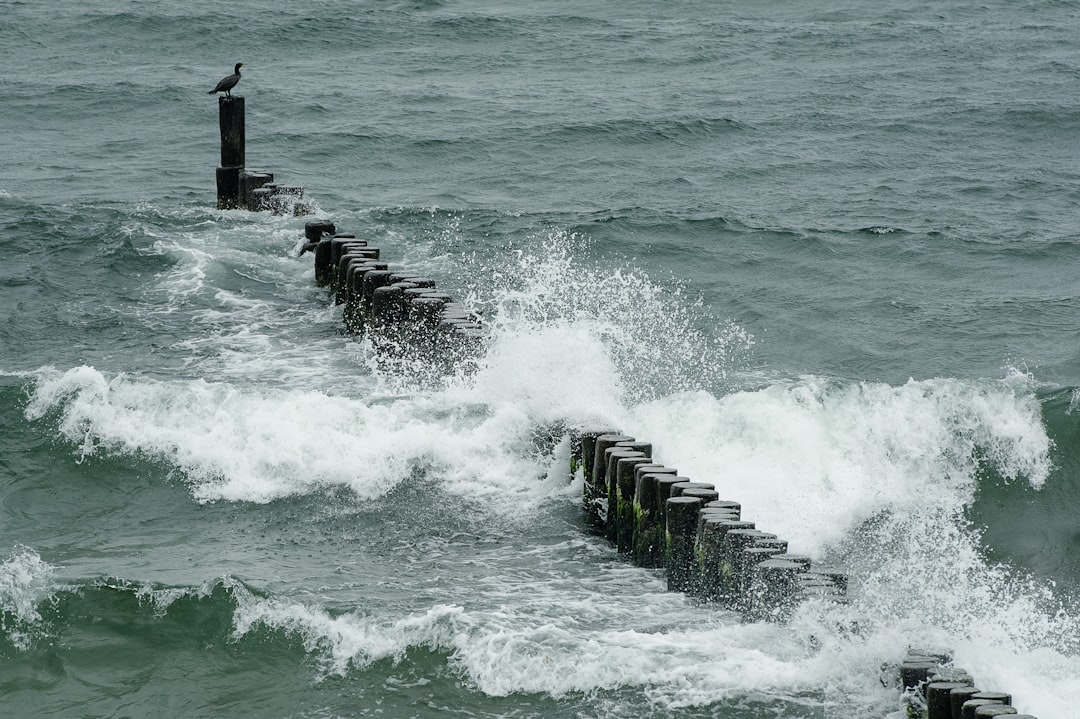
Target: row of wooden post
[(660, 519), (239, 188), (409, 321), (935, 689), (651, 514)]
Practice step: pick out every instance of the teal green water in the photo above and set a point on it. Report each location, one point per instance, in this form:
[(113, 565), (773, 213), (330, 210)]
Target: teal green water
[(821, 256)]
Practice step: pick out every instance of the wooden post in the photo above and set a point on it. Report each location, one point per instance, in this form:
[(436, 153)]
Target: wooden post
[(339, 276), (614, 454), (678, 488), (231, 120), (423, 318), (588, 450), (647, 531), (322, 263), (708, 512), (349, 299), (957, 697), (230, 189), (773, 589), (939, 700), (681, 525), (387, 306), (718, 577), (968, 708), (732, 544), (994, 710), (595, 495), (705, 494), (726, 503), (625, 486), (914, 673), (714, 526), (250, 182), (315, 229), (339, 244), (353, 313), (372, 280), (1003, 697), (663, 494), (751, 557)]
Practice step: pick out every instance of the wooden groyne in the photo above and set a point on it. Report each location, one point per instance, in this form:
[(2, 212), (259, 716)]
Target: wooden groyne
[(409, 321), (652, 515), (935, 689), (660, 519)]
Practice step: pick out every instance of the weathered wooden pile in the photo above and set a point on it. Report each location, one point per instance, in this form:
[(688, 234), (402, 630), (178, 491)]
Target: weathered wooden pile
[(409, 321), (935, 689), (660, 519)]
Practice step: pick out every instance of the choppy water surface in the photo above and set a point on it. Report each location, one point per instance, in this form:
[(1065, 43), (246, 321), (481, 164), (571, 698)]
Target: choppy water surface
[(821, 256)]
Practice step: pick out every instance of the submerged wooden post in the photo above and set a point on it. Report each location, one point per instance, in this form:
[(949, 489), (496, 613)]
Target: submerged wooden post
[(250, 182), (231, 171)]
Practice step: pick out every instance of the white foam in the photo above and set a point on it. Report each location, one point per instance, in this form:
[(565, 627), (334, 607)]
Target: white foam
[(258, 444), (560, 636), (347, 640), (245, 303), (549, 373), (26, 581), (814, 458)]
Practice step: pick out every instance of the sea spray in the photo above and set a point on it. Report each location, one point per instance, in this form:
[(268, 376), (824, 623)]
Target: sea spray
[(560, 635), (835, 454), (655, 334), (26, 582), (879, 478)]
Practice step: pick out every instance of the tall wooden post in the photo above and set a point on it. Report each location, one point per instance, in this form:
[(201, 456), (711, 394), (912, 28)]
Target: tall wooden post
[(231, 120), (229, 175)]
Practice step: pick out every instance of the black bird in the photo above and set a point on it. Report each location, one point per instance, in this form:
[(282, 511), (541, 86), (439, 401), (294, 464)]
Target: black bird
[(228, 83)]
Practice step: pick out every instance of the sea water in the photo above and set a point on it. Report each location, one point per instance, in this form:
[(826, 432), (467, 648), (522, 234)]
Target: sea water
[(822, 255)]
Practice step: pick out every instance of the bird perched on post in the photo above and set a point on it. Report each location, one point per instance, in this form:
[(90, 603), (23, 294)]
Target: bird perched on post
[(228, 83)]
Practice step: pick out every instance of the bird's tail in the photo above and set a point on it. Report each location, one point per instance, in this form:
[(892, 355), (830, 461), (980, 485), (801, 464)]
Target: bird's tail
[(211, 92)]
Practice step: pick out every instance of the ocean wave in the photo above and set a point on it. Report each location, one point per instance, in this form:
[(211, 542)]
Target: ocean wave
[(843, 452)]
